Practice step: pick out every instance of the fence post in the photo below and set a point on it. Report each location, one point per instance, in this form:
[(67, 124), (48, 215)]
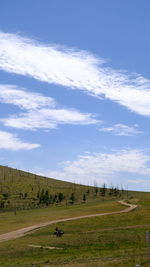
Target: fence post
[(148, 245)]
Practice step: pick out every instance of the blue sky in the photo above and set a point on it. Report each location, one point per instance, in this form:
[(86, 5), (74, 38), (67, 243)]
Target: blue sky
[(75, 90)]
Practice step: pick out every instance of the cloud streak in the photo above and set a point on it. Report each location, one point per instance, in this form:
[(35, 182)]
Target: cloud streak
[(75, 69), (104, 167), (11, 94), (47, 118), (12, 142), (121, 130), (40, 111)]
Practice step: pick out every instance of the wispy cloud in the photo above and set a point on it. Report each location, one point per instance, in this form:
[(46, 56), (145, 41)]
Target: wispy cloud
[(11, 94), (122, 130), (75, 69), (40, 111), (145, 182), (12, 142), (104, 167), (47, 118)]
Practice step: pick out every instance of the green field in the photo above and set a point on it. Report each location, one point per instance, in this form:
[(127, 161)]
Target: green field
[(21, 190), (113, 240), (9, 221)]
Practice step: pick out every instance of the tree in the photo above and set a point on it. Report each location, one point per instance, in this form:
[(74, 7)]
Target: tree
[(72, 198), (84, 197), (5, 195), (25, 195), (60, 197), (116, 192), (41, 196), (50, 199), (103, 191), (88, 192), (55, 198), (95, 188), (2, 204), (38, 194), (46, 198)]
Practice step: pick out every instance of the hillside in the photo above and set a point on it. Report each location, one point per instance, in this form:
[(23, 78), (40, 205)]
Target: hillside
[(103, 241), (113, 240), (24, 190)]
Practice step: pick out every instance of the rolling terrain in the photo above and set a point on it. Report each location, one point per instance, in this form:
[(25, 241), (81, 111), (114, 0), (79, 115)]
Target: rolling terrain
[(114, 240)]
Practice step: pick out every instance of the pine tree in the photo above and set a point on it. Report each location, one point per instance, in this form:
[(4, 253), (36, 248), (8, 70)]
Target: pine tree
[(46, 198), (84, 197), (72, 198), (60, 197)]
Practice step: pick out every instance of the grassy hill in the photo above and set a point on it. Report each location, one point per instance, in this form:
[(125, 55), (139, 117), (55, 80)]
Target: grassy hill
[(24, 190), (109, 241)]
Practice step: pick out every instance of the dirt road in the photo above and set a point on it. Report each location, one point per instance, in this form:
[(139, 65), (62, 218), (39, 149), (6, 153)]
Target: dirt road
[(24, 231)]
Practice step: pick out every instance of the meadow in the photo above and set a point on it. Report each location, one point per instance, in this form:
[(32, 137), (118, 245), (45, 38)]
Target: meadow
[(114, 240), (20, 190)]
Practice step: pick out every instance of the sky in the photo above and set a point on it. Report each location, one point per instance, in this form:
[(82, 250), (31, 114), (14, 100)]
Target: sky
[(75, 90)]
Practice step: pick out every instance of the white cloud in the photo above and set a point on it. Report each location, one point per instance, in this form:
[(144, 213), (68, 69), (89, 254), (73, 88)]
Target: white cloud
[(122, 130), (11, 94), (145, 182), (48, 118), (47, 63), (12, 142), (75, 69), (40, 111), (104, 167)]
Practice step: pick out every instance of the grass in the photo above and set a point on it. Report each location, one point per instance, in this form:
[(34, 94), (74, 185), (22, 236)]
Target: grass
[(113, 241), (9, 221), (21, 190), (108, 241)]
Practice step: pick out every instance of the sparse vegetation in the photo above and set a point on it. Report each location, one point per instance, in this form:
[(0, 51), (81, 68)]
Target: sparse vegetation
[(23, 190), (109, 241)]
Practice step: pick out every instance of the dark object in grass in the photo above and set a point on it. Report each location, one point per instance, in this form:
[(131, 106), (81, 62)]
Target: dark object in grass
[(58, 232)]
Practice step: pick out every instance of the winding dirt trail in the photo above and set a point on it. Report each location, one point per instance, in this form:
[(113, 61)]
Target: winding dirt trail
[(24, 231)]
